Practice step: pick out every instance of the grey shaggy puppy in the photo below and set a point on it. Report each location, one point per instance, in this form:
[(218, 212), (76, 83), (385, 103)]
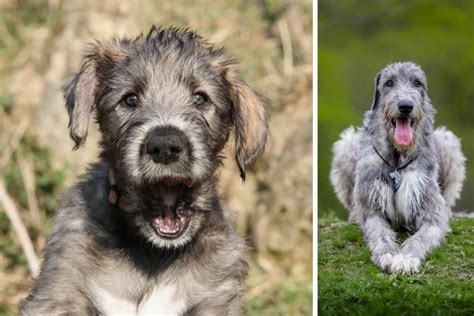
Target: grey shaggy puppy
[(396, 173), (144, 232)]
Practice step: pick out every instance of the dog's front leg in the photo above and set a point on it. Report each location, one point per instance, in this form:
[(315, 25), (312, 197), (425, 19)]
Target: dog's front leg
[(381, 239), (415, 248), (372, 197), (432, 224)]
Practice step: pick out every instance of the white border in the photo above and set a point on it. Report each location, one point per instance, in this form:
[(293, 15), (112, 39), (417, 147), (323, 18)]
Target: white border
[(315, 156)]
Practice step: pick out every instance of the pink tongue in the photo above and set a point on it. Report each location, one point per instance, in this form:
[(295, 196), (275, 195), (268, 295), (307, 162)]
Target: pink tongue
[(403, 132)]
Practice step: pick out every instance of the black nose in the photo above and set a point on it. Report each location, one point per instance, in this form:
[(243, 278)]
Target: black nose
[(405, 106), (166, 146)]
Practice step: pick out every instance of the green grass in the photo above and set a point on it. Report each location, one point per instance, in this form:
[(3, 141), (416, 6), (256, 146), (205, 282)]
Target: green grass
[(350, 284)]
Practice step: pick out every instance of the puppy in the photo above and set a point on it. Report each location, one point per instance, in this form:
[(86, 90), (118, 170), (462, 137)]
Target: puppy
[(143, 231)]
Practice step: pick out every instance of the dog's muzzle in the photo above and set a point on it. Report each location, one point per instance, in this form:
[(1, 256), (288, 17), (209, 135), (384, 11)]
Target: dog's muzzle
[(167, 145), (405, 106), (403, 124), (169, 210)]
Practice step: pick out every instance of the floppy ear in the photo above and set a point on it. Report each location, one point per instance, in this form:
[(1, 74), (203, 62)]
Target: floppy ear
[(79, 94), (377, 92), (250, 121)]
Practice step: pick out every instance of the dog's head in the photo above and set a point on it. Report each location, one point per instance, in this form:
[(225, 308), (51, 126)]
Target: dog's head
[(166, 103), (401, 101)]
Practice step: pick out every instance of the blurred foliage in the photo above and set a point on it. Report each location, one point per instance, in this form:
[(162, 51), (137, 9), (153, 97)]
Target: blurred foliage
[(6, 102), (49, 183), (48, 180), (358, 38), (15, 15), (271, 296)]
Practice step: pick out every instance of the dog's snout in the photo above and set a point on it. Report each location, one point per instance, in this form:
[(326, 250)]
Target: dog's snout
[(166, 146), (405, 106)]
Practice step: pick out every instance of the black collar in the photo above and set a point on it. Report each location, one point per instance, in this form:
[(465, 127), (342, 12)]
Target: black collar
[(395, 168), (395, 174)]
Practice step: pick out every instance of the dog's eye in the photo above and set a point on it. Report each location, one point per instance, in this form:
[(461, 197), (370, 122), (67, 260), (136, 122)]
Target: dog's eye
[(131, 99), (418, 83), (199, 98), (389, 83)]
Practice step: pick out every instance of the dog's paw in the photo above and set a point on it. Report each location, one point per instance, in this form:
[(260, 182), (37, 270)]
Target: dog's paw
[(384, 261), (405, 264)]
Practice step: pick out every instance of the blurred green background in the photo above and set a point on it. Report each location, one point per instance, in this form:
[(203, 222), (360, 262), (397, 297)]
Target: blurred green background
[(358, 38)]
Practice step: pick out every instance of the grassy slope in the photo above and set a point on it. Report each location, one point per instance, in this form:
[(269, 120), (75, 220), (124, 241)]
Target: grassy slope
[(348, 282)]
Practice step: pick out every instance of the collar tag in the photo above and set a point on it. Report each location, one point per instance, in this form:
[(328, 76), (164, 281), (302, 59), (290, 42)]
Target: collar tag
[(395, 174), (397, 178)]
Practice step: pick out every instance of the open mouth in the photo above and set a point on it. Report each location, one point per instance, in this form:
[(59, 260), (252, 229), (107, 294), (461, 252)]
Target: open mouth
[(170, 217), (403, 130)]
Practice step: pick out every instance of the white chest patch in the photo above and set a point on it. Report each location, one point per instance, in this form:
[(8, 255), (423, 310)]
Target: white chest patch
[(163, 300), (110, 304), (411, 193)]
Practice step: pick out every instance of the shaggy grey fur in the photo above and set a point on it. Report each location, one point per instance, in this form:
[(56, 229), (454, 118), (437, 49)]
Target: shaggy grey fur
[(430, 183), (104, 259)]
